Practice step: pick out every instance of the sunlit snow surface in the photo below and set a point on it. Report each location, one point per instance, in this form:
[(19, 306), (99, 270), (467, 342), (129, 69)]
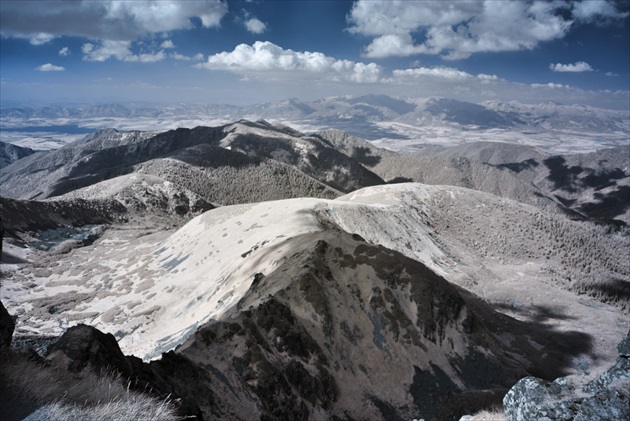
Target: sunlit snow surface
[(152, 288), (154, 291)]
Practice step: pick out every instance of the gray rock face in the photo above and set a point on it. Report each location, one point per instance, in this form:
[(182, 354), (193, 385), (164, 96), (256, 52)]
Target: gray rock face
[(6, 327), (607, 398)]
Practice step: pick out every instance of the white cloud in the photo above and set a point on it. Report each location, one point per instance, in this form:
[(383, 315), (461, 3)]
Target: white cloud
[(550, 85), (484, 78), (255, 26), (48, 67), (268, 58), (87, 48), (105, 19), (457, 29), (579, 66), (120, 50), (167, 44), (431, 72), (393, 45), (611, 74), (41, 38), (182, 57), (64, 51), (440, 73), (597, 10)]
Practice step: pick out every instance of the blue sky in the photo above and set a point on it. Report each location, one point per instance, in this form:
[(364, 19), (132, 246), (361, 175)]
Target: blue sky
[(209, 51)]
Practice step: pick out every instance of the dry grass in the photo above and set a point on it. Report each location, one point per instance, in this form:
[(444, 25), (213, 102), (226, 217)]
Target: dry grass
[(137, 407), (493, 414), (79, 396)]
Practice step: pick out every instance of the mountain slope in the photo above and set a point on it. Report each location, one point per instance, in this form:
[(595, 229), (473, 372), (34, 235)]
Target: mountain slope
[(197, 160), (281, 310), (351, 330), (10, 153), (594, 185), (206, 266)]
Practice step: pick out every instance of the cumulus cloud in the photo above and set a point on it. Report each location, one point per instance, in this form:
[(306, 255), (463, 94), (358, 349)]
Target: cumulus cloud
[(580, 66), (48, 67), (266, 57), (432, 72), (255, 26), (611, 74), (393, 45), (167, 44), (550, 85), (41, 38), (457, 29), (443, 73), (105, 19), (120, 50), (487, 78), (597, 10), (64, 51), (182, 57)]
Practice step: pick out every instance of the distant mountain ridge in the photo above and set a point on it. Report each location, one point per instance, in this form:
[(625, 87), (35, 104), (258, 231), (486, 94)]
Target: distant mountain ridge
[(235, 163), (228, 164), (373, 108)]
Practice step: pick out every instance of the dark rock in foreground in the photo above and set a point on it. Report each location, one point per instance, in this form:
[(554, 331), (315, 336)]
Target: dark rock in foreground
[(6, 327), (83, 347)]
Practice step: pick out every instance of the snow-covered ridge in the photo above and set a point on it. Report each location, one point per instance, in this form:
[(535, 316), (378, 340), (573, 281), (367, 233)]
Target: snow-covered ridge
[(154, 292)]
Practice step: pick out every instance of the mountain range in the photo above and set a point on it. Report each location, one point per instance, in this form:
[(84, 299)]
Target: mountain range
[(257, 271), (397, 123)]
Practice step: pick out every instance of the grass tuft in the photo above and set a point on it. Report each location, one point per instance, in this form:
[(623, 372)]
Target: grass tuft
[(78, 396)]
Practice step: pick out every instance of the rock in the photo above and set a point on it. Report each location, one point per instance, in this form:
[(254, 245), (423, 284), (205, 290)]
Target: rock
[(6, 327), (84, 346), (606, 398)]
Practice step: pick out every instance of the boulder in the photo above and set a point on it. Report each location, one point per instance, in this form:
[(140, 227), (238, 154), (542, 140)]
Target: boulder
[(606, 398), (83, 346)]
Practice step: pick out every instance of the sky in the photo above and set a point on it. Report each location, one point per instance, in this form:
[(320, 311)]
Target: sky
[(245, 52)]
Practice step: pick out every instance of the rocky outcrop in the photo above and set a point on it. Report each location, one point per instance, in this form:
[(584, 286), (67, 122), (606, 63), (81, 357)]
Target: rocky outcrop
[(607, 398), (83, 347), (86, 347), (6, 327)]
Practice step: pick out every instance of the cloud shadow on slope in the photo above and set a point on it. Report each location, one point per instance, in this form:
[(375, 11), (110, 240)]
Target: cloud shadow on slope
[(365, 157), (608, 205), (517, 167), (557, 350)]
